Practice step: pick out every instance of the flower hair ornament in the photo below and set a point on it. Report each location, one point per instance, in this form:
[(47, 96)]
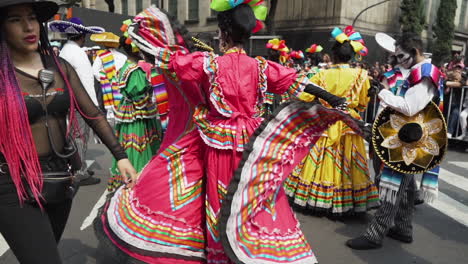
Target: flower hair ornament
[(128, 40), (354, 38), (314, 48), (259, 10), (202, 45), (279, 45)]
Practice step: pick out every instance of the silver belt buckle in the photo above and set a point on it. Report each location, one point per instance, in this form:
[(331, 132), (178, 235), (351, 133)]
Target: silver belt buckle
[(3, 168)]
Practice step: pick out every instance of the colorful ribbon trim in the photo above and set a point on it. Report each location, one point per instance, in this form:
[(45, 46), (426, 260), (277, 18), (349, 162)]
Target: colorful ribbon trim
[(314, 48), (259, 10), (354, 38)]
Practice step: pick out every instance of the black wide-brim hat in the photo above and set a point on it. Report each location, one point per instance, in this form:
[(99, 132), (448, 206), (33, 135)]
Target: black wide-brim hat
[(44, 10), (410, 145)]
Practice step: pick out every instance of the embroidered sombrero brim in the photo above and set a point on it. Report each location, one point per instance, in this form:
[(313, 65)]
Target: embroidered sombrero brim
[(71, 28), (415, 157)]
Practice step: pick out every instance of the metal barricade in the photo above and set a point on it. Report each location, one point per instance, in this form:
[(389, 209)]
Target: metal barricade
[(449, 106)]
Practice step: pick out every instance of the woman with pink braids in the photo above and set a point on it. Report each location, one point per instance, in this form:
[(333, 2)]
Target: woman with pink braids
[(37, 93)]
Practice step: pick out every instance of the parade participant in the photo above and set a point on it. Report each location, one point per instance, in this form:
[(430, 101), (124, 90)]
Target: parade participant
[(298, 59), (73, 53), (56, 46), (410, 137), (314, 55), (105, 67), (184, 185), (334, 178), (137, 124), (35, 140), (279, 53)]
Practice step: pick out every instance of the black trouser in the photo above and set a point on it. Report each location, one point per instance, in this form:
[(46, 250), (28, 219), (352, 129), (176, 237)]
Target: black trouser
[(32, 234)]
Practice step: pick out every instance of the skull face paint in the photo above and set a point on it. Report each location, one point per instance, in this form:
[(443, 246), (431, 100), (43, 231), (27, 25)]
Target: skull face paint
[(404, 59)]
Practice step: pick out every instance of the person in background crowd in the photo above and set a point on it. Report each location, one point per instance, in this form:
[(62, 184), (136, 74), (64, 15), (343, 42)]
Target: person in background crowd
[(56, 46), (105, 67), (456, 79), (334, 178), (73, 53)]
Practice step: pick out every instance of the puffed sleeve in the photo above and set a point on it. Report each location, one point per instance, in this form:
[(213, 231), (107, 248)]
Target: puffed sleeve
[(285, 80), (188, 67), (363, 96)]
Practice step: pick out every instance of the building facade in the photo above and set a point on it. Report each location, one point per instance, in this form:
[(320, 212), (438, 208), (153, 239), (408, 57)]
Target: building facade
[(304, 22)]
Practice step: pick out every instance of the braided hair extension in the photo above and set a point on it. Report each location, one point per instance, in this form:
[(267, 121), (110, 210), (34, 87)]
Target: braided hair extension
[(16, 140)]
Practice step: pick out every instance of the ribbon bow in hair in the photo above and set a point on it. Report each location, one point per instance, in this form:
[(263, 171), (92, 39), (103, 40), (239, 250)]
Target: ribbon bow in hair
[(354, 38), (314, 48), (128, 40), (279, 45), (297, 54), (259, 10), (276, 44)]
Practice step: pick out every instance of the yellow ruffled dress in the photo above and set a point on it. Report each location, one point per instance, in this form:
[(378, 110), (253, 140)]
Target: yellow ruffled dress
[(334, 177)]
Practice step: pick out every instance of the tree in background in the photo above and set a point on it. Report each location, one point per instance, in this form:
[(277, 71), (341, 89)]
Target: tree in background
[(412, 18), (444, 30), (270, 20)]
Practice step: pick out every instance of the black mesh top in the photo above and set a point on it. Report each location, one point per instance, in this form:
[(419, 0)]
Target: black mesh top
[(58, 104)]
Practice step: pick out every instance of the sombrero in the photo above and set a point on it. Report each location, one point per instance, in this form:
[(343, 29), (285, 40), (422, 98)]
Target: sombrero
[(410, 145), (73, 27), (107, 39), (44, 10), (385, 41)]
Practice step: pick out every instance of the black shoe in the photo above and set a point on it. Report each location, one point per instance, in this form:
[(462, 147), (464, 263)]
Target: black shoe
[(418, 201), (402, 238), (90, 181), (362, 243)]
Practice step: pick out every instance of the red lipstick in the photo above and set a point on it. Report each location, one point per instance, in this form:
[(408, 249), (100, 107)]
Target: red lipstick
[(31, 39)]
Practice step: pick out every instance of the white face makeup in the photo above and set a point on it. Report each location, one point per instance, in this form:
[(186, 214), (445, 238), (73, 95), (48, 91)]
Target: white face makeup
[(404, 59)]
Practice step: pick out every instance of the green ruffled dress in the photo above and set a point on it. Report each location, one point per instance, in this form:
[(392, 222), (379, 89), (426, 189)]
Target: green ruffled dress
[(138, 127)]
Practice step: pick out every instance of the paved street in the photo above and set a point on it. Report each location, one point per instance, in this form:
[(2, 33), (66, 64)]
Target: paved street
[(440, 231)]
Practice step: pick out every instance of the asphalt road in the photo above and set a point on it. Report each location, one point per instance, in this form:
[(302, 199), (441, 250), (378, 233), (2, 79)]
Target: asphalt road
[(440, 230)]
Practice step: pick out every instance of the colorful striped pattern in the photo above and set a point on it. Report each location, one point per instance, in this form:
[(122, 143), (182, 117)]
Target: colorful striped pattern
[(262, 85), (426, 70), (220, 136), (139, 143), (160, 95), (298, 86), (155, 233), (182, 192), (329, 196), (108, 63), (274, 151), (110, 90), (142, 108)]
